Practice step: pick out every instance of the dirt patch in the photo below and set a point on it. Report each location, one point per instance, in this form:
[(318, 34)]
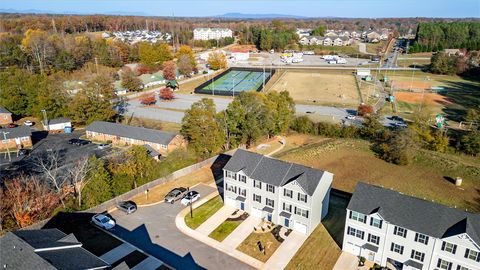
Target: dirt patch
[(319, 87), (242, 48), (427, 98)]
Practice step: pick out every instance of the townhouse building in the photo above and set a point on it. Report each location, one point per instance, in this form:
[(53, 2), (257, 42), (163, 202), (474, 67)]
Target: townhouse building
[(118, 134), (326, 41), (211, 33), (5, 116), (284, 193), (404, 232)]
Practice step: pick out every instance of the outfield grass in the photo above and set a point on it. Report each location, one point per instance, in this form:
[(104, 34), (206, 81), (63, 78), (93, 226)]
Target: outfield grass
[(225, 229), (202, 213), (249, 245), (429, 176)]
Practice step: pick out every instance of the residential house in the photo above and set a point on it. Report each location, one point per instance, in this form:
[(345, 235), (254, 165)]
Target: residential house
[(5, 116), (394, 229), (57, 124), (304, 40), (16, 138), (341, 41), (327, 41), (284, 193), (372, 37), (118, 134), (303, 32), (46, 249), (211, 33)]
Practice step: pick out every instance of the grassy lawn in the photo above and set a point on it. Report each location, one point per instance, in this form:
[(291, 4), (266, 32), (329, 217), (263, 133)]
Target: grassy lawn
[(158, 193), (322, 247), (222, 231), (427, 177), (153, 124), (249, 246), (375, 48), (203, 212), (318, 252)]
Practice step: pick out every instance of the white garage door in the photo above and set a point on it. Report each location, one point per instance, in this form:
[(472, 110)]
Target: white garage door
[(256, 212), (300, 227), (230, 202), (352, 248)]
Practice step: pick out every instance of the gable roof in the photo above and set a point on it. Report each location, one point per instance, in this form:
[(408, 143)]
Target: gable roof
[(415, 214), (16, 132), (59, 120), (20, 250), (273, 171), (3, 110), (137, 133)]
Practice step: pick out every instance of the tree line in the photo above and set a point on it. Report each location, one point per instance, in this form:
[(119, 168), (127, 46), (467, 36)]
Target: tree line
[(436, 36)]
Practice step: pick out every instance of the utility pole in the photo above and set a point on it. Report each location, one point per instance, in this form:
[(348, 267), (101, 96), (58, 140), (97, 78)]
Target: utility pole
[(45, 119), (8, 149), (96, 65)]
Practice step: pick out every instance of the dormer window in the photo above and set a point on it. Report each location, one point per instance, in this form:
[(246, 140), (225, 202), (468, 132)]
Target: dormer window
[(358, 216)]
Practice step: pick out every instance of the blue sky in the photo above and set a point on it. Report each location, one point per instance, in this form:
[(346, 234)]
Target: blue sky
[(311, 8)]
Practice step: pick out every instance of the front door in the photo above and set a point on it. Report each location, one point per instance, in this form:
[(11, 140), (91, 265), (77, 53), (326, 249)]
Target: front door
[(269, 217), (242, 206), (287, 222)]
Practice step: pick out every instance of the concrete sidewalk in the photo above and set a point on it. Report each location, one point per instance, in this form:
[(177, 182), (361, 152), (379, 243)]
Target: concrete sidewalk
[(285, 252), (346, 261), (214, 221), (235, 238), (117, 253)]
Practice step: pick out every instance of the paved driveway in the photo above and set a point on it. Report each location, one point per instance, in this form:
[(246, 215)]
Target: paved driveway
[(153, 230)]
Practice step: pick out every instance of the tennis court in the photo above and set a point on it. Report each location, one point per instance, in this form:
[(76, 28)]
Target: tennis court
[(235, 81)]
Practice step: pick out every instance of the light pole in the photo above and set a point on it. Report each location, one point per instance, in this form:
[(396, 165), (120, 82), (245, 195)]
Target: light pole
[(8, 149)]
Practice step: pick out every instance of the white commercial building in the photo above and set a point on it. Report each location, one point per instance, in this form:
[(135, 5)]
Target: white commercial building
[(211, 33), (404, 232)]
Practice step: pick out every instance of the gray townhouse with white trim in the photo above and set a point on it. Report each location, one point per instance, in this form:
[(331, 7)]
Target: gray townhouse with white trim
[(287, 194), (396, 230)]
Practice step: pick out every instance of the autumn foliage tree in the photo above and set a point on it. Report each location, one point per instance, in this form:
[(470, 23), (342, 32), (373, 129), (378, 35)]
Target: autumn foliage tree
[(365, 109), (185, 66), (169, 70), (166, 93), (27, 200), (130, 81), (148, 99), (217, 60)]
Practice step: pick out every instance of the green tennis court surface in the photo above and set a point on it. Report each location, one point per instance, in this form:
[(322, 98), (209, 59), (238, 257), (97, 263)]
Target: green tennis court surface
[(238, 81)]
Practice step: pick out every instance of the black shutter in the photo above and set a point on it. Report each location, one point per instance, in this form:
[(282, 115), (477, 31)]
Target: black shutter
[(391, 247), (443, 246), (416, 237), (454, 249), (306, 197), (260, 185), (413, 251), (449, 266), (350, 215), (298, 196), (371, 221), (466, 252), (395, 230), (439, 262), (295, 210), (426, 240), (307, 214)]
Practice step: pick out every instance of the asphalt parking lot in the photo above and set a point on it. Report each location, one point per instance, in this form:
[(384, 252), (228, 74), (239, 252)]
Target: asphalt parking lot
[(153, 230), (43, 144)]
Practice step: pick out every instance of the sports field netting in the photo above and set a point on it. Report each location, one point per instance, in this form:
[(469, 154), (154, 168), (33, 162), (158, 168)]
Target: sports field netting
[(236, 81)]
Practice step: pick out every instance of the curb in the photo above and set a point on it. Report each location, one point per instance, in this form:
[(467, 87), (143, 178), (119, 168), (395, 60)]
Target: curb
[(180, 223)]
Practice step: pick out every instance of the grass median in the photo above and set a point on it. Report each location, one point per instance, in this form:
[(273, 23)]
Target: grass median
[(202, 213), (225, 229)]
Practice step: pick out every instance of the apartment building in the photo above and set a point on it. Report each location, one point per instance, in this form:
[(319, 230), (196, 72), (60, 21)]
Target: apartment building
[(404, 232), (117, 134), (211, 33), (284, 193), (15, 138), (5, 116)]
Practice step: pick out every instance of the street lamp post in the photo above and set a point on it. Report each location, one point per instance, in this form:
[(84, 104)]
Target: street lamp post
[(8, 149)]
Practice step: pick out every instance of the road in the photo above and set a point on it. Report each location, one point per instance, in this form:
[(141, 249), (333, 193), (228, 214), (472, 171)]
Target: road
[(172, 111), (153, 230)]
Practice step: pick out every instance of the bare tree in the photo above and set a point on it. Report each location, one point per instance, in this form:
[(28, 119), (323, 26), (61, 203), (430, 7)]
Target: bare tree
[(48, 165), (78, 176)]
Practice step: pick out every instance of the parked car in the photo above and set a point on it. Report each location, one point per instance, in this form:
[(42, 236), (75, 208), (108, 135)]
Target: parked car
[(351, 117), (127, 206), (175, 194), (12, 125), (190, 197), (79, 142), (73, 141), (103, 221), (28, 123), (24, 152), (83, 142), (104, 146)]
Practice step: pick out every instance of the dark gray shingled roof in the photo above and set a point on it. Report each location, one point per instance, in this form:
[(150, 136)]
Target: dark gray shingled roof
[(3, 110), (415, 214), (273, 171), (138, 133), (16, 132), (23, 250)]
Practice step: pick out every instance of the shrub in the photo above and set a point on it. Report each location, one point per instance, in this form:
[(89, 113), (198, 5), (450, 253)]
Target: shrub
[(166, 93)]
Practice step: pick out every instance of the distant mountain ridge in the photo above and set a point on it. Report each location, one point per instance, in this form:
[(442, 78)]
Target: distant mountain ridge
[(258, 16)]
